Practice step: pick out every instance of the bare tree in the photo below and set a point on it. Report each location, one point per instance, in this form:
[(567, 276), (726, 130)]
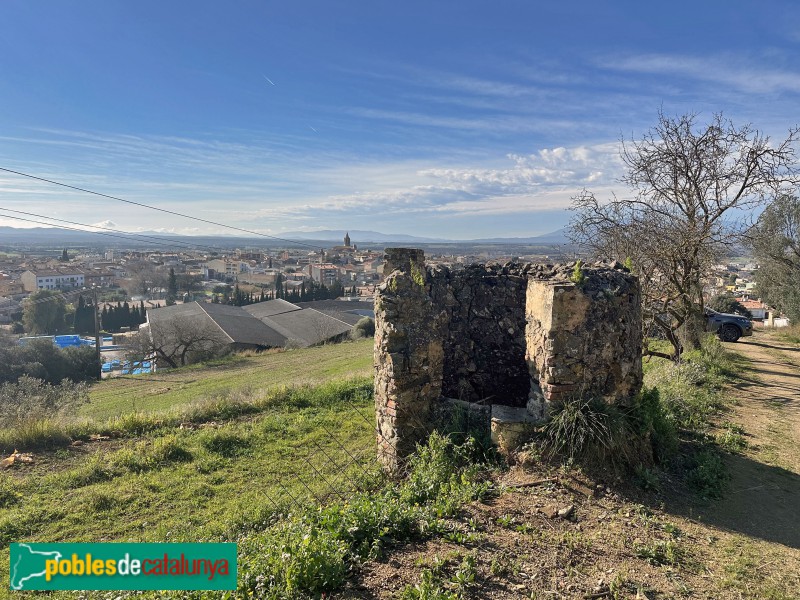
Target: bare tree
[(179, 341), (143, 277), (690, 187)]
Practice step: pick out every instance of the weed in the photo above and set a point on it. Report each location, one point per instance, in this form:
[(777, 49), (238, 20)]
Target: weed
[(660, 553), (502, 566), (224, 442), (578, 277), (296, 559), (733, 427), (429, 588), (311, 552), (671, 529), (463, 538), (465, 574), (709, 476), (618, 586), (647, 479), (732, 442), (506, 521)]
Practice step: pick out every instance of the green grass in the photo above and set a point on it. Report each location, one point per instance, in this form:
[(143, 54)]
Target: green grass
[(159, 391), (155, 491), (789, 334), (215, 481)]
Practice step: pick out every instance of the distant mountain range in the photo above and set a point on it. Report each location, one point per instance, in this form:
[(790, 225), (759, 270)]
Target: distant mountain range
[(359, 236), (55, 237)]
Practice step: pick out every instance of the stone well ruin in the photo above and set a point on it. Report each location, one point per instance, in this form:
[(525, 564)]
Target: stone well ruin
[(507, 341)]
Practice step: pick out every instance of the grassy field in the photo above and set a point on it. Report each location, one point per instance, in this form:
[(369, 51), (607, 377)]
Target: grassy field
[(237, 451), (147, 393), (202, 454), (211, 482)]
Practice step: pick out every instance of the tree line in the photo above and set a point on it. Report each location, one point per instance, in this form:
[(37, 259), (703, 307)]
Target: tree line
[(306, 293), (46, 312)]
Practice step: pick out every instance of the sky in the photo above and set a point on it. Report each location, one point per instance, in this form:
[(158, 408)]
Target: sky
[(456, 119)]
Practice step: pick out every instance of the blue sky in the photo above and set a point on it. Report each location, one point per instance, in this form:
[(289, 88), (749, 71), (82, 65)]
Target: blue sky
[(454, 119)]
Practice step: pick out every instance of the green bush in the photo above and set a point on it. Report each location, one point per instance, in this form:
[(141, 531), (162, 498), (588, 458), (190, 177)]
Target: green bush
[(708, 477), (364, 328), (651, 421), (41, 359)]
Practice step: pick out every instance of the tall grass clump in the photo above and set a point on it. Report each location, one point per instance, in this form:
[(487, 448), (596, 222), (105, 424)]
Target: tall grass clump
[(690, 390), (588, 430), (790, 334), (597, 434), (31, 411)]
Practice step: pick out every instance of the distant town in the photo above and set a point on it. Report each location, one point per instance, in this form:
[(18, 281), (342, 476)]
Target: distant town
[(130, 283), (232, 294)]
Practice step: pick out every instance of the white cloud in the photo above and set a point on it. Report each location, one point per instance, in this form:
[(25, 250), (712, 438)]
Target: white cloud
[(545, 180), (745, 75)]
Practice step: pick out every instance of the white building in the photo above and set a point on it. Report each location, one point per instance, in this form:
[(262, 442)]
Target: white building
[(52, 279)]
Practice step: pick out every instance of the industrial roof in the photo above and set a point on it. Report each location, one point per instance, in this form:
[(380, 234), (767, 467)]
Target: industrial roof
[(268, 324)]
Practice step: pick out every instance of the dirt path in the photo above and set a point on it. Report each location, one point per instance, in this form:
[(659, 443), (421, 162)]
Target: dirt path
[(626, 543), (764, 496)]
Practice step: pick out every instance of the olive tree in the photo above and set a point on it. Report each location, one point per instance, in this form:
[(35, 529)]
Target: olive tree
[(775, 241), (44, 312), (691, 185)]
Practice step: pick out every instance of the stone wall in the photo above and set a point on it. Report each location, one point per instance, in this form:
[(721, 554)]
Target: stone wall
[(583, 340), (408, 359), (484, 342), (513, 335)]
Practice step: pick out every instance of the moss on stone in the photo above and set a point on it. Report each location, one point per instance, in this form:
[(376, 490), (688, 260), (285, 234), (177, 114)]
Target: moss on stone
[(417, 274)]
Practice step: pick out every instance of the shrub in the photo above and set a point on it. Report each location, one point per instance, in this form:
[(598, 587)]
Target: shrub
[(363, 329), (44, 360), (28, 408), (651, 420), (709, 476)]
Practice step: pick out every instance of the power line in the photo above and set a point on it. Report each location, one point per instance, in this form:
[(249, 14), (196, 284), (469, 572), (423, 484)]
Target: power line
[(156, 208)]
